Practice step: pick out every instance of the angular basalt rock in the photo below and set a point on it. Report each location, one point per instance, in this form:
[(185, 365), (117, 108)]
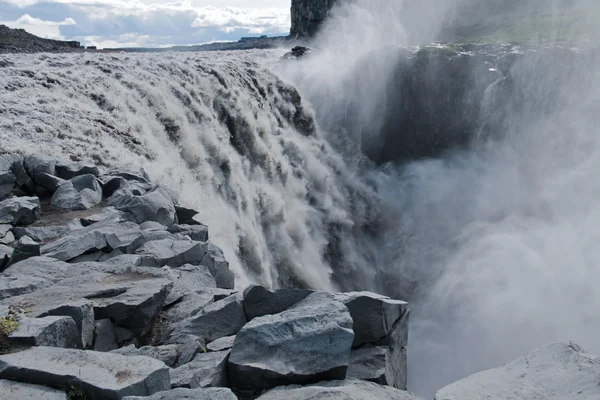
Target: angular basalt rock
[(155, 205), (259, 301), (41, 233), (205, 370), (105, 338), (106, 236), (309, 342), (373, 315), (25, 248), (222, 318), (338, 390), (96, 375), (189, 394), (19, 210), (80, 193), (195, 232), (69, 170), (48, 331), (19, 391), (167, 353), (224, 343)]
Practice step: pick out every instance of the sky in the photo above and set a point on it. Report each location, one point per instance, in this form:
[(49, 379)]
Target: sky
[(147, 23)]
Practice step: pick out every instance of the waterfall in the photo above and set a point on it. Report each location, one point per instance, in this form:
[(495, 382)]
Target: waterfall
[(236, 142)]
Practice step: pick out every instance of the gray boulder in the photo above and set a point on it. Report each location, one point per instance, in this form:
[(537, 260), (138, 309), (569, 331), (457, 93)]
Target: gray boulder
[(222, 318), (396, 363), (41, 233), (15, 286), (224, 343), (188, 279), (7, 177), (554, 372), (176, 253), (48, 331), (205, 370), (190, 394), (373, 315), (195, 232), (42, 170), (186, 215), (104, 335), (130, 173), (80, 193), (307, 343), (167, 353), (25, 248), (5, 253), (188, 347), (69, 170), (19, 210), (370, 364), (171, 252), (6, 234), (188, 305), (107, 214), (338, 390), (20, 391), (106, 236), (259, 301), (46, 269), (24, 181), (218, 266), (97, 375), (155, 205)]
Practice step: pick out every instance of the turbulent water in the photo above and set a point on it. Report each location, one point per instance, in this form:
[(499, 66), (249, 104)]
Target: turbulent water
[(233, 140), (494, 243)]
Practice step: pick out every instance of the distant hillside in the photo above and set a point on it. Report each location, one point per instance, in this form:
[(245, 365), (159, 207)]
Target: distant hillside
[(525, 21), (19, 41)]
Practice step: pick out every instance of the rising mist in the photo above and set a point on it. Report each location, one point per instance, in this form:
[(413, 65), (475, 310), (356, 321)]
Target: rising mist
[(494, 239)]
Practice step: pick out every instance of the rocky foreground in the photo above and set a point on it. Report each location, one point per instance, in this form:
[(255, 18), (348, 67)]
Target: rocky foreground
[(110, 289)]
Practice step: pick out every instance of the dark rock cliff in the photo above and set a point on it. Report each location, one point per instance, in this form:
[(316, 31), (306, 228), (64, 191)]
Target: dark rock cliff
[(19, 41), (307, 16)]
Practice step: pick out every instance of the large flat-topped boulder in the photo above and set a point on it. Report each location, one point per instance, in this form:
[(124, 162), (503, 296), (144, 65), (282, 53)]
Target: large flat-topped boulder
[(97, 375), (190, 394), (338, 390), (19, 210), (25, 391), (307, 343), (557, 371), (130, 300)]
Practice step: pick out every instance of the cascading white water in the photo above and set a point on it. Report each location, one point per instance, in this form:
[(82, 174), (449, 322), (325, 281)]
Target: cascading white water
[(496, 243), (233, 140)]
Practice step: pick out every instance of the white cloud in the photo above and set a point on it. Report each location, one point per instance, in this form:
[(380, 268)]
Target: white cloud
[(149, 22), (39, 27)]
